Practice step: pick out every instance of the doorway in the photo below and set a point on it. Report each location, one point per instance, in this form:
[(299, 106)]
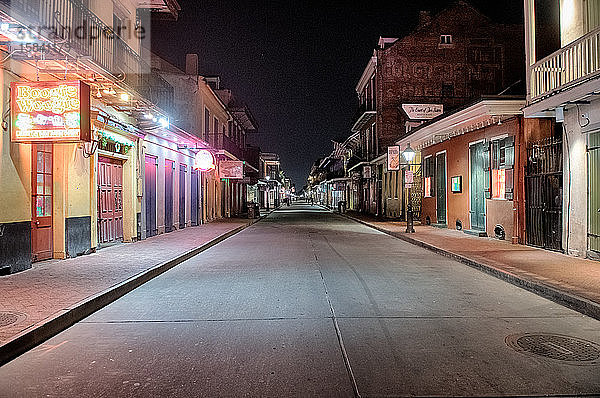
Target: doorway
[(169, 166), (543, 194), (150, 195), (477, 185), (594, 194), (182, 172), (440, 178), (194, 198), (110, 200), (42, 203)]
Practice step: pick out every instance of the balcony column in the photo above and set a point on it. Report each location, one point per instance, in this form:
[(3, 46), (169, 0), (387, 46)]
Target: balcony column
[(530, 56)]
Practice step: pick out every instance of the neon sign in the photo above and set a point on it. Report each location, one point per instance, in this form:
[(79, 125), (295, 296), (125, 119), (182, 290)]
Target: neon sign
[(204, 161), (56, 111)]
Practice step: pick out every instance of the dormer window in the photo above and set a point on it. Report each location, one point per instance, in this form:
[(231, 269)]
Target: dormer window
[(445, 39)]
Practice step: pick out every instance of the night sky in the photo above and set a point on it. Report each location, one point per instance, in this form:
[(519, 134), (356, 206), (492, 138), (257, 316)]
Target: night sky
[(296, 63)]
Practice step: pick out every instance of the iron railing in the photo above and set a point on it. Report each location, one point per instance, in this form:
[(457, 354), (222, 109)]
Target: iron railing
[(72, 24), (567, 67)]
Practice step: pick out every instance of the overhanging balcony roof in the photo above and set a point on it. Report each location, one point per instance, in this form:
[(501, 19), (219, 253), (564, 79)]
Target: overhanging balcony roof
[(168, 8), (362, 121)]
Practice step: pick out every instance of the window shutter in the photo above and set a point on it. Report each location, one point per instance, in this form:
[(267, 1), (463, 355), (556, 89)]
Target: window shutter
[(509, 145), (487, 186)]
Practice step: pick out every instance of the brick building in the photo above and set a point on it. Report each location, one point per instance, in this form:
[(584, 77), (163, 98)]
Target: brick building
[(448, 60)]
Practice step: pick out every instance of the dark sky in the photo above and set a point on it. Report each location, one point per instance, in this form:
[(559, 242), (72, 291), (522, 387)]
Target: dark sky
[(296, 63)]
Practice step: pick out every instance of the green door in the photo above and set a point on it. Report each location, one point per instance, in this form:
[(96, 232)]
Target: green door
[(477, 186), (440, 180), (594, 189)]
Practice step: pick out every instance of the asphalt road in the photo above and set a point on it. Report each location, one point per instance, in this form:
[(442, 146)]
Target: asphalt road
[(308, 303)]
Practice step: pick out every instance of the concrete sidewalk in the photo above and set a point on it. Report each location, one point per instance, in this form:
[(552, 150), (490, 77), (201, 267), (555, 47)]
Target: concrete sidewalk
[(53, 295), (570, 281)]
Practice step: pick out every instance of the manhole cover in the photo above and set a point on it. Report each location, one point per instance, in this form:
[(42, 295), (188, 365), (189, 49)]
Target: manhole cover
[(8, 318), (556, 346)]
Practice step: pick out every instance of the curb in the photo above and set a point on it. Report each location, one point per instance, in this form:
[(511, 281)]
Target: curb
[(58, 322), (566, 299)]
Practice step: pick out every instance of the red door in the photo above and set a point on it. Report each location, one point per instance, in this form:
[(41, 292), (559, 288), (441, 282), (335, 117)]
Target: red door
[(41, 192), (110, 200)]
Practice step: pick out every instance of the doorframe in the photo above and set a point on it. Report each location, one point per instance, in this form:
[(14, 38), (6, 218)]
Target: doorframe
[(481, 141), (33, 210), (593, 254), (445, 152)]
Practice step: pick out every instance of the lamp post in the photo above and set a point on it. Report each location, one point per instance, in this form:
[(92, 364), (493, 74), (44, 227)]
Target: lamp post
[(409, 155), (268, 186)]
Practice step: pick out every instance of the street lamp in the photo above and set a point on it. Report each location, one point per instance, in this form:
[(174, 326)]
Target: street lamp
[(268, 199), (409, 155)]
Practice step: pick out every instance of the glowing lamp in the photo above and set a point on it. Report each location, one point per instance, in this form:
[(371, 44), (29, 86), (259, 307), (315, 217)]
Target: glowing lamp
[(204, 161), (408, 154)]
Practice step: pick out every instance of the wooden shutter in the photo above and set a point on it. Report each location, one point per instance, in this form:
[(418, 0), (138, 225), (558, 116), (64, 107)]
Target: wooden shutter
[(487, 180), (509, 163)]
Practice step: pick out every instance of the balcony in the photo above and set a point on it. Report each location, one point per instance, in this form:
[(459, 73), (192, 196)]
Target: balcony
[(567, 67), (57, 21), (221, 141), (365, 114)]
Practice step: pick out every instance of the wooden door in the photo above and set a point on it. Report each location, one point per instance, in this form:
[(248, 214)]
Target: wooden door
[(169, 165), (41, 217), (110, 200), (150, 195), (477, 186), (182, 172), (440, 171)]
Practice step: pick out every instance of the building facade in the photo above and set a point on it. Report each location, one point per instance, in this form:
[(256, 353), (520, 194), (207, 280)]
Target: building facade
[(447, 61), (563, 87)]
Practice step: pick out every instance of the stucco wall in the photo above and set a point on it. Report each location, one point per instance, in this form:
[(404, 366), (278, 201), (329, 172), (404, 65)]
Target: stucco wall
[(498, 211), (575, 178)]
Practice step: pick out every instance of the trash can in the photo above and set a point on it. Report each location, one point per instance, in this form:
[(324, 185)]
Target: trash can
[(256, 210), (342, 206)]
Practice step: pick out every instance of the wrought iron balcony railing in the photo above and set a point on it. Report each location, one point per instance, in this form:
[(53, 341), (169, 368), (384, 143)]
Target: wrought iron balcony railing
[(567, 67), (221, 141), (71, 23)]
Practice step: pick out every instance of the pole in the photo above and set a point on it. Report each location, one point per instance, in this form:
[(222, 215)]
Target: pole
[(409, 222)]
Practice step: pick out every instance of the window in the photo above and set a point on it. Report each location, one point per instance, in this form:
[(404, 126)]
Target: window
[(429, 172), (498, 184), (206, 123), (448, 90), (445, 39), (215, 126), (502, 161)]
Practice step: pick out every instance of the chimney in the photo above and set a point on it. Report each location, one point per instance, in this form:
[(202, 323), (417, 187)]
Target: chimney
[(424, 18), (191, 64)]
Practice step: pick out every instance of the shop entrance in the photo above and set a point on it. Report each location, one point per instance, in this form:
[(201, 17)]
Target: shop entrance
[(150, 195), (194, 198), (440, 173), (479, 162), (41, 188), (110, 200), (169, 166), (543, 194), (182, 172), (594, 189)]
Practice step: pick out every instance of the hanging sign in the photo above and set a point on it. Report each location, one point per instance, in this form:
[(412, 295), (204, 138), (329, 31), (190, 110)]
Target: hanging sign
[(422, 111), (409, 178), (204, 161), (366, 171), (55, 111), (393, 158), (232, 169)]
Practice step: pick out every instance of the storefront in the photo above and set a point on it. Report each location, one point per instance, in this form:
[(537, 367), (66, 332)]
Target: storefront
[(471, 167)]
